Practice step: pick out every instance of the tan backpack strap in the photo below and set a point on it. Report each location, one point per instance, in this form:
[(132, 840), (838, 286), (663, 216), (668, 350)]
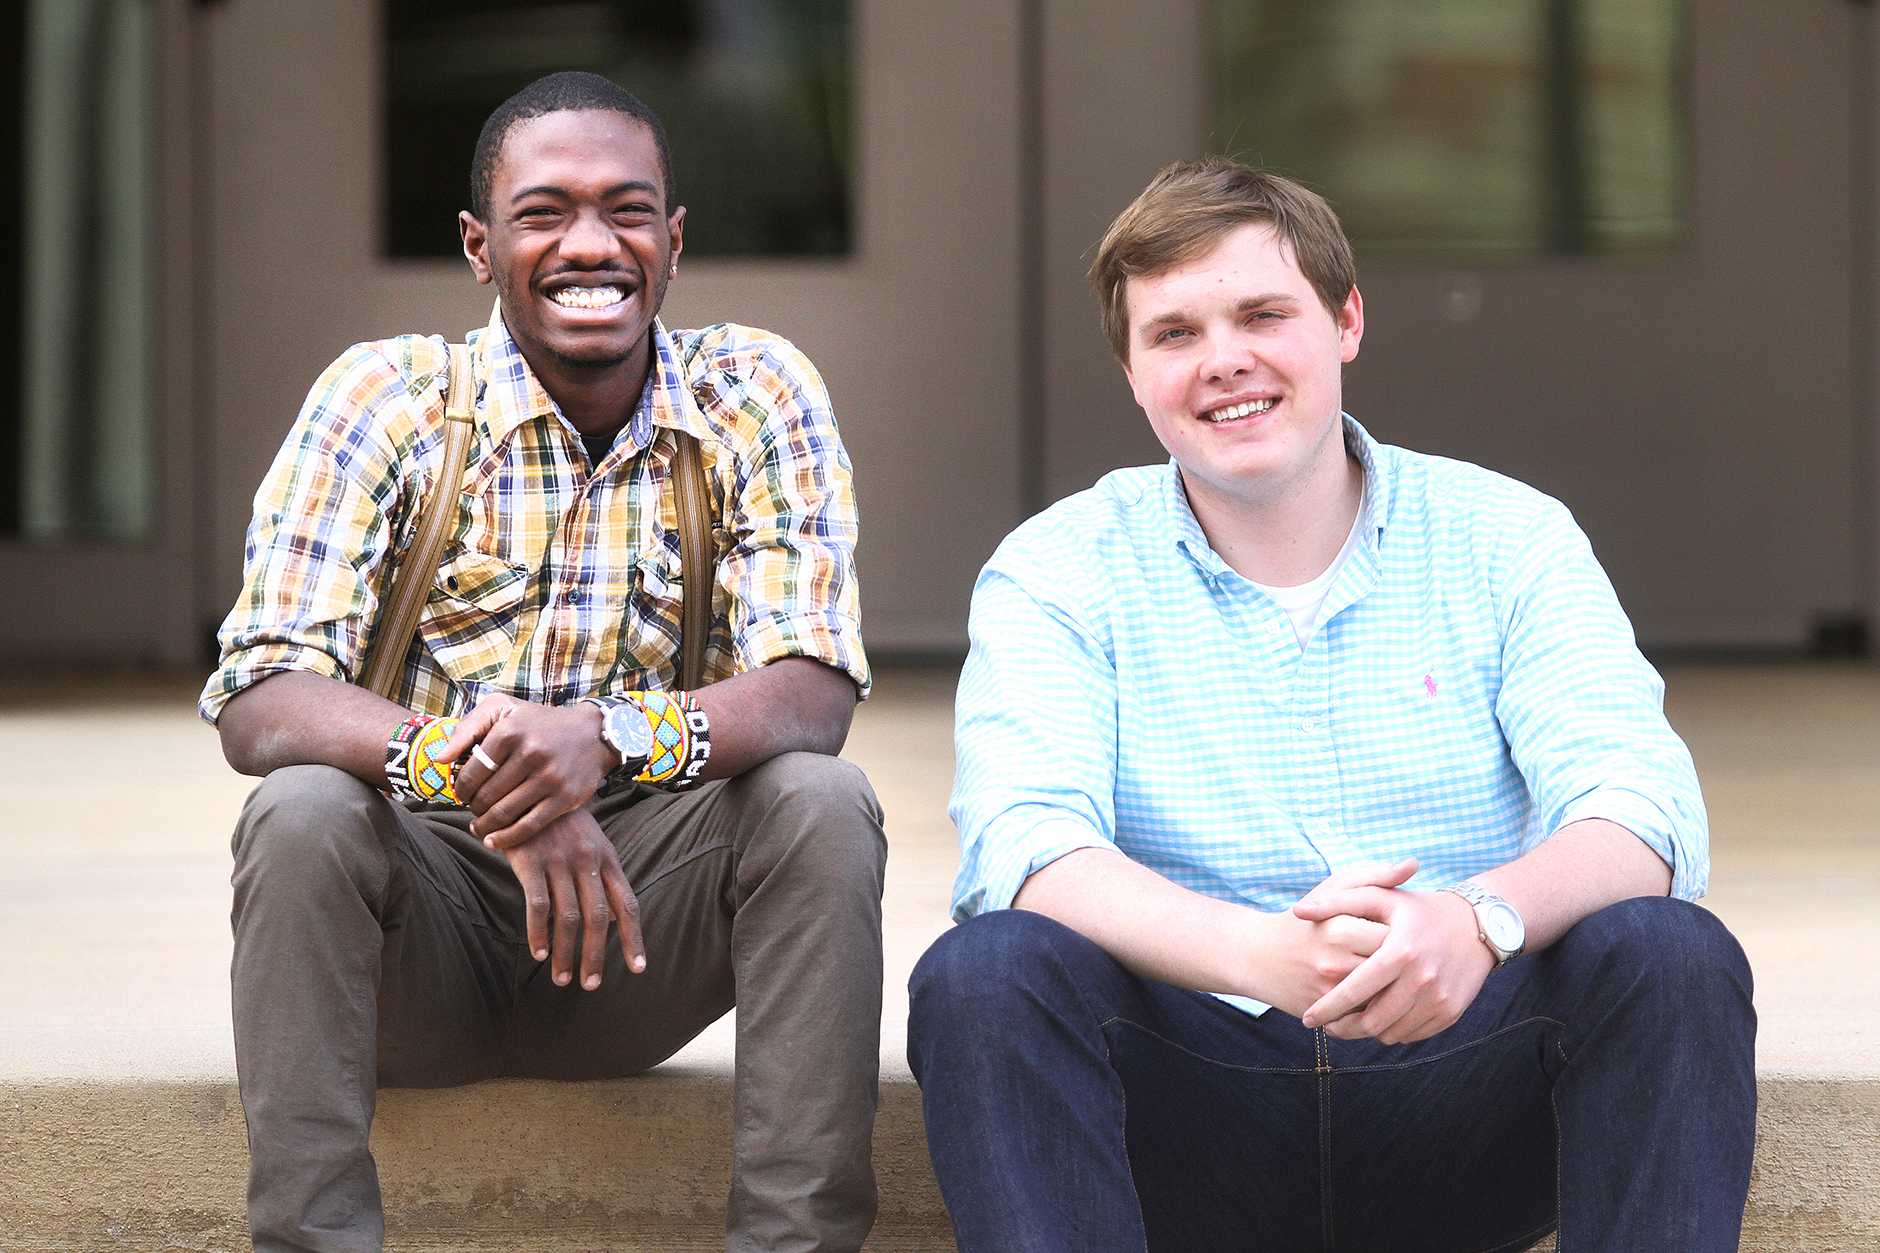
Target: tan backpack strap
[(411, 583), (696, 552)]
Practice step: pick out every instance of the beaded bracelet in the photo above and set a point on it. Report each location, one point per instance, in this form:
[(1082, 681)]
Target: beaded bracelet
[(412, 770), (682, 740)]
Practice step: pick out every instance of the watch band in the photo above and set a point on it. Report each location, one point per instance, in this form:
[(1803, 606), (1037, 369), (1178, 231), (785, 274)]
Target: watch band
[(680, 738), (1480, 900), (627, 767), (1470, 891)]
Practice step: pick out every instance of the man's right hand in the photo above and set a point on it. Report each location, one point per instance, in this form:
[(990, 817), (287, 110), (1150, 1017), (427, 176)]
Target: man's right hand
[(573, 888)]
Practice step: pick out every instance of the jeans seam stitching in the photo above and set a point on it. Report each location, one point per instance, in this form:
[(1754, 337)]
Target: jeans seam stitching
[(1553, 1104), (1460, 1048), (1119, 1020), (1109, 1058), (1322, 1049)]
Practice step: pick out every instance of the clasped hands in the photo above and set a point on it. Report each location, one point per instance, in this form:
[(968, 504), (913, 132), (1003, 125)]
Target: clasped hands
[(1384, 961), (548, 763)]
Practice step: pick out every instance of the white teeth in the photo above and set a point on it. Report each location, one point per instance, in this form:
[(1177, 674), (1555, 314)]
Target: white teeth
[(1244, 410), (587, 297)]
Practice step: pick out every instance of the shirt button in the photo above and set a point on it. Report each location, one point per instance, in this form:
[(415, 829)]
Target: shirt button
[(574, 596), (1309, 725)]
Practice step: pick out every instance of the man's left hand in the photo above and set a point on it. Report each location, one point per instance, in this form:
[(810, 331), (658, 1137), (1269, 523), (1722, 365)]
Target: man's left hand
[(1419, 981), (547, 762)]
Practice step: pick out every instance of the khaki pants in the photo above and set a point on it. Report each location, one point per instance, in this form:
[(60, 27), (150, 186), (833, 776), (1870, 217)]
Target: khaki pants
[(380, 946)]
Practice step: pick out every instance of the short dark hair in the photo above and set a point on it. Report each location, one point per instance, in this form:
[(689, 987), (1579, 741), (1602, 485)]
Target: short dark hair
[(561, 92), (1188, 208)]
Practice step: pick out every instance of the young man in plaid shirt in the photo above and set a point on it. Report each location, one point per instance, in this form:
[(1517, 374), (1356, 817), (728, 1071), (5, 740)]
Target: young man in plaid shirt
[(422, 901), (1327, 858)]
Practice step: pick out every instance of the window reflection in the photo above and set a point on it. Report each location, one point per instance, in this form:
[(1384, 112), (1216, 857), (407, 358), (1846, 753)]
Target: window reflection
[(76, 407), (1466, 126), (755, 96)]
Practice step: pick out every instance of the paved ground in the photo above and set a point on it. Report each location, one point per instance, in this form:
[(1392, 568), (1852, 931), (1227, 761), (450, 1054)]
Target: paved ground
[(119, 1125), (114, 893), (114, 862)]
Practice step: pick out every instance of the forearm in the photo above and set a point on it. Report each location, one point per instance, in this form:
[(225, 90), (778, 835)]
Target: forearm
[(1155, 928), (792, 704), (296, 718), (1583, 868)]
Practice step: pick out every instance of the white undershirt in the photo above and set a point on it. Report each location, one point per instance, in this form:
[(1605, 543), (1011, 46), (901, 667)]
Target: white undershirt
[(1303, 603)]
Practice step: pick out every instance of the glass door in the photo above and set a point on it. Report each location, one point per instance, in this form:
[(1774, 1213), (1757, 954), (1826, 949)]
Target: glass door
[(95, 517)]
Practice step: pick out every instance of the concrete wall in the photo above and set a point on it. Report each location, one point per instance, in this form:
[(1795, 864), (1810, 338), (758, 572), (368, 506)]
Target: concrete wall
[(1866, 281), (1710, 416)]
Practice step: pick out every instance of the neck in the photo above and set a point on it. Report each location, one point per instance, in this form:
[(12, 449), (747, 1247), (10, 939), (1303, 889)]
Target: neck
[(596, 399), (1287, 538)]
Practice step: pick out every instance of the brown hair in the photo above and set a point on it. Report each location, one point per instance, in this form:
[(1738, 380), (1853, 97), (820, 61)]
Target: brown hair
[(1186, 209)]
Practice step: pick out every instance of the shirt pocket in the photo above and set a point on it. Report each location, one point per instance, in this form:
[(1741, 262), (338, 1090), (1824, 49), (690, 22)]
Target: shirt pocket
[(656, 616), (470, 619), (656, 604)]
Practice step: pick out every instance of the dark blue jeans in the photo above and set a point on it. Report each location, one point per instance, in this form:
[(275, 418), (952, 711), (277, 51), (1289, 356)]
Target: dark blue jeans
[(1606, 1086)]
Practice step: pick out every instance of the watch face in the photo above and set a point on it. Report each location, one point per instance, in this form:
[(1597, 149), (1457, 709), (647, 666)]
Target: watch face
[(628, 732), (1503, 927)]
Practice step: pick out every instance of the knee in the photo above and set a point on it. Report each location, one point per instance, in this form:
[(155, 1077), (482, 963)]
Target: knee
[(994, 967), (1674, 952), (303, 820), (817, 815)]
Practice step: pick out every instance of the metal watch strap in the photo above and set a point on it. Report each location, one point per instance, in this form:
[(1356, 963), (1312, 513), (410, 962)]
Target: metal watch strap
[(1470, 891), (1478, 897)]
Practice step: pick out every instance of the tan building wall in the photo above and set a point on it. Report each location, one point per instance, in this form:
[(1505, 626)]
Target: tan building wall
[(1709, 415)]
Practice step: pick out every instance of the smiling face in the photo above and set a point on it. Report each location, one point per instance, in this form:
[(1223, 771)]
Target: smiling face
[(579, 244), (1237, 363)]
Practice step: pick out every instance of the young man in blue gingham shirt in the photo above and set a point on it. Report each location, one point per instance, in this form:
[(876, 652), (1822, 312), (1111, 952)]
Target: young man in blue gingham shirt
[(1326, 853)]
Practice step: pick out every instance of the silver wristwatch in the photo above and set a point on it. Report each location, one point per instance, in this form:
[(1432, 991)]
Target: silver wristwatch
[(625, 729), (1497, 923)]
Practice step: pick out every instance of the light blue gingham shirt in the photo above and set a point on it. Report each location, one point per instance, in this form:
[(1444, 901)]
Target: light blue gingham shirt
[(1471, 688)]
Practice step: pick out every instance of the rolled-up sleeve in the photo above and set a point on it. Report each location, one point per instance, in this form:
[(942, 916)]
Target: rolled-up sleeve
[(317, 537), (1583, 711), (1035, 735), (791, 569)]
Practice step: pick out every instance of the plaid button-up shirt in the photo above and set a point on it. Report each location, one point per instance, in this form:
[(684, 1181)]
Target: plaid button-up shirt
[(560, 579)]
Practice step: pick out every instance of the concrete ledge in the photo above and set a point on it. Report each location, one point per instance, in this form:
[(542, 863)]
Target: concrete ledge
[(120, 1127), (510, 1165), (642, 1164)]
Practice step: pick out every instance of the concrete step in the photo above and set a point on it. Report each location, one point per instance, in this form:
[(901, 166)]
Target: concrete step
[(120, 1127), (508, 1165), (642, 1164)]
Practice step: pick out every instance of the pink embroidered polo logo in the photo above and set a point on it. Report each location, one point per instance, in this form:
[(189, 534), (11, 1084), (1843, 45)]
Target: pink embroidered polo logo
[(1429, 684)]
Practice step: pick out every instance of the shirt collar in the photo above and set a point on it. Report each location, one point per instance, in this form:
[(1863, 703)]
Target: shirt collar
[(509, 394), (1186, 530), (1377, 479), (668, 400)]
